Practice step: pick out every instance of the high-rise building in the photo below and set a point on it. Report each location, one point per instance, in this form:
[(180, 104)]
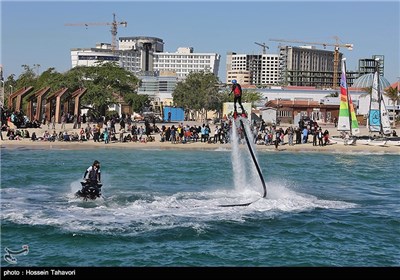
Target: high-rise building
[(307, 66), (252, 69), (185, 61), (368, 65), (137, 53)]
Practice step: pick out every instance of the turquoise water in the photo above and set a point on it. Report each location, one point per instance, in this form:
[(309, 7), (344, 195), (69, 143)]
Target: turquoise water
[(161, 208)]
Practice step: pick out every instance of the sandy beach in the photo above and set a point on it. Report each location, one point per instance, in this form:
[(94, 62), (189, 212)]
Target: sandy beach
[(157, 144)]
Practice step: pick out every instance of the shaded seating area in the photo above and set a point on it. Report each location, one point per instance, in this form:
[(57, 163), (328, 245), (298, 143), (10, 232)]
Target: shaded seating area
[(43, 104)]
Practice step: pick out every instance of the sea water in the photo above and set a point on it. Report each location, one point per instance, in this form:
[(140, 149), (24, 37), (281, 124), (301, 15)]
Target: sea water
[(162, 208)]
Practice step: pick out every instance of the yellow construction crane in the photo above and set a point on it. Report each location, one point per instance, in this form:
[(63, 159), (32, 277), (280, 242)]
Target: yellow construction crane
[(114, 28), (264, 47), (335, 52)]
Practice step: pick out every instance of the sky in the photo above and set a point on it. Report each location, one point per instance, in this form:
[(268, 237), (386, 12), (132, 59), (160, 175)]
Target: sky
[(34, 32)]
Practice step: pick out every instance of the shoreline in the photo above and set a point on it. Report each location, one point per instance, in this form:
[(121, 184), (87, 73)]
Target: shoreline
[(308, 147), (26, 143)]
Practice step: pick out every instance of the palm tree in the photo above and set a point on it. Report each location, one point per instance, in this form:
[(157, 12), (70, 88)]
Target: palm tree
[(393, 94)]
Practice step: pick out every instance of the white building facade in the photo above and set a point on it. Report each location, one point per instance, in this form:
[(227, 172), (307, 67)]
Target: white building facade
[(254, 69), (93, 56), (184, 61), (159, 71)]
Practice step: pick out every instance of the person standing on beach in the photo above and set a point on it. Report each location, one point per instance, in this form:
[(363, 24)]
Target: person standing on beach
[(96, 133), (53, 122), (63, 120), (278, 134), (106, 136), (290, 133), (304, 135), (237, 96)]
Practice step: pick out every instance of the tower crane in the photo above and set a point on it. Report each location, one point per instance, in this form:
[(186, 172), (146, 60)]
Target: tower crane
[(114, 28), (335, 52), (264, 47)]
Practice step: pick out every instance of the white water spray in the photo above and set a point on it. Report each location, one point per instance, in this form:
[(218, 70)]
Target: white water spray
[(245, 175)]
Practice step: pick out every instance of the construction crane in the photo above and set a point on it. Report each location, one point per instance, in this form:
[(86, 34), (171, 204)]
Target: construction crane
[(263, 45), (114, 28), (335, 53)]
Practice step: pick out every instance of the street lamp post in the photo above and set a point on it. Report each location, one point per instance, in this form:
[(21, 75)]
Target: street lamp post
[(11, 91), (396, 102), (2, 93)]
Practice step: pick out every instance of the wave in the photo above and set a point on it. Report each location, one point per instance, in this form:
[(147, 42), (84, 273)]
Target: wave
[(131, 212)]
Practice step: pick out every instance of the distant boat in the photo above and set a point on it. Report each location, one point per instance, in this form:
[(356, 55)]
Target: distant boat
[(378, 117), (347, 121)]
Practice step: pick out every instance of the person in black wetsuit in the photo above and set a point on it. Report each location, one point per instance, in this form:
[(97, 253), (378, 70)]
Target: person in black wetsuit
[(92, 175)]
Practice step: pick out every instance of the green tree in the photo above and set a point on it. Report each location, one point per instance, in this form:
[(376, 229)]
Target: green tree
[(104, 83), (50, 78), (198, 93), (26, 78), (9, 87), (250, 97), (393, 94), (137, 101)]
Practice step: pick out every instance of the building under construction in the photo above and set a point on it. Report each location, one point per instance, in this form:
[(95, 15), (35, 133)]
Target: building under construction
[(306, 66)]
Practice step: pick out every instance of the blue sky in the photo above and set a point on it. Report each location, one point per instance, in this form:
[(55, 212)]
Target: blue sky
[(34, 32)]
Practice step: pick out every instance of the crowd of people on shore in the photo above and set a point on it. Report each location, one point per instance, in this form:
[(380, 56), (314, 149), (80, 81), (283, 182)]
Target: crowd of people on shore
[(104, 130)]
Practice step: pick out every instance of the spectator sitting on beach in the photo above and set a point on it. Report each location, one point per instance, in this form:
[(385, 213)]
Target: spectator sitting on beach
[(260, 139), (33, 137), (127, 138), (54, 136), (113, 138), (46, 135), (326, 137), (75, 136), (4, 127), (66, 136), (18, 133), (10, 134)]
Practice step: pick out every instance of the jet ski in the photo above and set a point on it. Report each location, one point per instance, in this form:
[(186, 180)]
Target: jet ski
[(89, 190)]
